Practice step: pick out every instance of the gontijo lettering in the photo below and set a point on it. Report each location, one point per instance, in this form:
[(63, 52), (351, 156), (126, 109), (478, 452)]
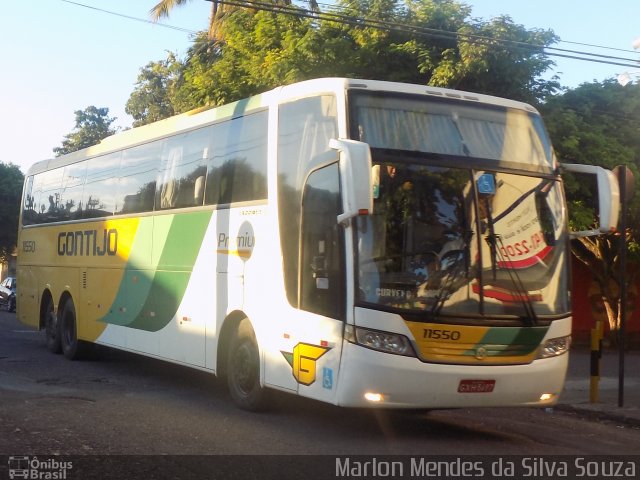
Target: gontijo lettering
[(88, 243)]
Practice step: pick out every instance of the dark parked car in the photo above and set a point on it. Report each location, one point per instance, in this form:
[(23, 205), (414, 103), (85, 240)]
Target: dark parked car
[(8, 293)]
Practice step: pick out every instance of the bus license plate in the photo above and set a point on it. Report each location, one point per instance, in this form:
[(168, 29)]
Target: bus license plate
[(476, 386)]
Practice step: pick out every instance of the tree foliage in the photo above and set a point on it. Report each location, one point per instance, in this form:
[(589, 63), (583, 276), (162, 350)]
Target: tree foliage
[(153, 98), (596, 124), (499, 58), (92, 125), (264, 49), (219, 11), (11, 179)]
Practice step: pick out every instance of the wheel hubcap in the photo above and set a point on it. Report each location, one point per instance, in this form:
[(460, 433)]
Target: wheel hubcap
[(68, 331), (244, 371)]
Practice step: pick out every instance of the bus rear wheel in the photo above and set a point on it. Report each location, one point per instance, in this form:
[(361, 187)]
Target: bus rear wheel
[(51, 328), (72, 348), (243, 370)]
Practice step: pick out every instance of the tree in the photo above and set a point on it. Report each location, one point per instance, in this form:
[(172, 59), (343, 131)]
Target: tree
[(219, 10), (11, 179), (92, 125), (499, 58), (153, 98), (596, 124), (164, 8), (261, 51)]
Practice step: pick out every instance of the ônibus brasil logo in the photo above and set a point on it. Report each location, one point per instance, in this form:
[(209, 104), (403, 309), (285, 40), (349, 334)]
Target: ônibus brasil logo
[(35, 468)]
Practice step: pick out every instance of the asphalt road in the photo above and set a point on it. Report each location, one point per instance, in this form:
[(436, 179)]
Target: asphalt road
[(123, 404)]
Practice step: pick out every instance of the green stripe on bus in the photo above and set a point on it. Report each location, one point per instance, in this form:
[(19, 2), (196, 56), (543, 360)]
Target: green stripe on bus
[(153, 299), (180, 250), (511, 341)]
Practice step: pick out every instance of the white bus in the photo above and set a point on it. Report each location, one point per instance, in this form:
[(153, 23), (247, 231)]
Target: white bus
[(358, 242)]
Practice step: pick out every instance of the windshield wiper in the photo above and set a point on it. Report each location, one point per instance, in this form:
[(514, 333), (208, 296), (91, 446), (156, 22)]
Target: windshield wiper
[(448, 278), (505, 261)]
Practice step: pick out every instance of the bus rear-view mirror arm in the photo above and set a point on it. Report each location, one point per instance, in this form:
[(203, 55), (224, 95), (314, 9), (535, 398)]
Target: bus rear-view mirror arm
[(355, 178)]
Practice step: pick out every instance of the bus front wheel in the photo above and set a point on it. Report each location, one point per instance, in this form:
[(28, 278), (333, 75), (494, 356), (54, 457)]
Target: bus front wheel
[(243, 370)]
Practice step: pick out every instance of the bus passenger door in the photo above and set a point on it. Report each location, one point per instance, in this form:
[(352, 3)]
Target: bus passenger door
[(316, 355)]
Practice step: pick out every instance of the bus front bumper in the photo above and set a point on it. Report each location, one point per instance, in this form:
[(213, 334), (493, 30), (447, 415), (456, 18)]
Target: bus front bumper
[(369, 378)]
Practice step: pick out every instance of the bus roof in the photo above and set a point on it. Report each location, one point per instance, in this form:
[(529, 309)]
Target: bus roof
[(336, 84)]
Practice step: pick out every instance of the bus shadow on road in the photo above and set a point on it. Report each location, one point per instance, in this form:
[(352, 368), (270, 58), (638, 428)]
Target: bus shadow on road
[(387, 424)]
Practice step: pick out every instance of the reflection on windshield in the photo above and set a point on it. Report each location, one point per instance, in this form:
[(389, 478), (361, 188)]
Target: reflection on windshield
[(463, 129), (454, 241)]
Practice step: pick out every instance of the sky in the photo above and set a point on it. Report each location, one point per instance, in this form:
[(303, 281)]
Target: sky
[(60, 56)]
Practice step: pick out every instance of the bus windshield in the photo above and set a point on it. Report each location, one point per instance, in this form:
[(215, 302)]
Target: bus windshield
[(498, 135), (462, 242), (452, 236)]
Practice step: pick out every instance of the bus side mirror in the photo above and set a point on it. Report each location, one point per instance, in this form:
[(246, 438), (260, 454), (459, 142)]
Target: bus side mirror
[(608, 197), (355, 178)]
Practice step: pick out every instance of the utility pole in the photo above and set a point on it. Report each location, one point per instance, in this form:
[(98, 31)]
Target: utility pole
[(625, 179)]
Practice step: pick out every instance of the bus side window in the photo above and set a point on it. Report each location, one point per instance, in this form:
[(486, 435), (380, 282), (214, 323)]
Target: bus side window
[(72, 188), (322, 268), (28, 207), (238, 165), (99, 194), (182, 169), (47, 196), (137, 182), (168, 178)]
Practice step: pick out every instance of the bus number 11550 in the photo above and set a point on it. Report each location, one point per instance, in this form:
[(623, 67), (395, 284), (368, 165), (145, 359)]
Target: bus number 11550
[(440, 334)]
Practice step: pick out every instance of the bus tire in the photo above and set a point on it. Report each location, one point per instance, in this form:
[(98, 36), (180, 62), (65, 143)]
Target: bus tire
[(243, 369), (51, 328), (72, 348)]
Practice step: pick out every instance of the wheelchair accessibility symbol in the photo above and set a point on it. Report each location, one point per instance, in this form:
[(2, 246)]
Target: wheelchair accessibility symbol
[(327, 378), (486, 184)]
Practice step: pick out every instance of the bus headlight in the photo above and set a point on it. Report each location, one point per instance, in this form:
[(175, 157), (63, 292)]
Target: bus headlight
[(387, 342), (554, 347)]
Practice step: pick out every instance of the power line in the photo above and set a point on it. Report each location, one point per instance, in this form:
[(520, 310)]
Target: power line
[(397, 27), (329, 6), (129, 17), (603, 47)]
